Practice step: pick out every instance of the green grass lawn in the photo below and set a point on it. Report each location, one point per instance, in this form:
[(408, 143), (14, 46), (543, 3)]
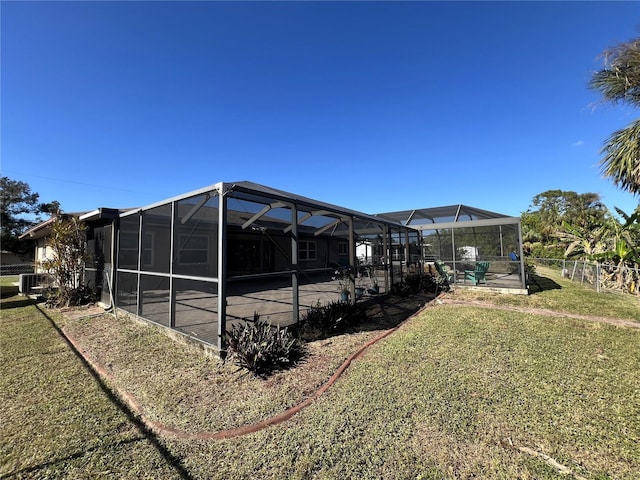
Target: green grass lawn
[(7, 280), (8, 285), (57, 419), (553, 292), (457, 392)]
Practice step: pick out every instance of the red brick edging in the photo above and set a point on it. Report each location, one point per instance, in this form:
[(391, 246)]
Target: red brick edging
[(162, 429)]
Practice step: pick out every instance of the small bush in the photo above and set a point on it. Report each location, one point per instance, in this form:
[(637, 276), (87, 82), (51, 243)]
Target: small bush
[(440, 284), (262, 348), (413, 281), (401, 290), (334, 317), (530, 267), (418, 283), (73, 297)]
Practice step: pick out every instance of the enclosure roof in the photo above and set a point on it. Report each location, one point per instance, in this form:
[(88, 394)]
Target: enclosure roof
[(300, 200), (448, 216), (251, 188)]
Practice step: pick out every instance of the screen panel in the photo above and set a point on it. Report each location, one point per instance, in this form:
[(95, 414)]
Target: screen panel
[(197, 309), (127, 292), (156, 299)]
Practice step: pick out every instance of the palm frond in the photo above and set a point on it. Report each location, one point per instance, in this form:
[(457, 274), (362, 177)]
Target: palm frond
[(621, 161), (620, 79)]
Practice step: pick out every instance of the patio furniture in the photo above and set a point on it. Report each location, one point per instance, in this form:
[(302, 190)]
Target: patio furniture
[(477, 275)]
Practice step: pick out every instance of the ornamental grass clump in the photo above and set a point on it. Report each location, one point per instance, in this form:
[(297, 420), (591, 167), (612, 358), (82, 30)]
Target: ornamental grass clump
[(262, 348)]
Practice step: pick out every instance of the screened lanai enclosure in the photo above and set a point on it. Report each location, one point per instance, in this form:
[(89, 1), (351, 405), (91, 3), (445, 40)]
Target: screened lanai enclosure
[(200, 262), (469, 246)]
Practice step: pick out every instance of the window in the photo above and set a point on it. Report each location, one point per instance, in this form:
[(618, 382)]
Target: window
[(129, 249), (307, 250), (128, 254), (342, 249), (194, 249)]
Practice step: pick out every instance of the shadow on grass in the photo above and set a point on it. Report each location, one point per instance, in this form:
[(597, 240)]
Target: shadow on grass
[(8, 291), (540, 284), (73, 456), (148, 434), (16, 301)]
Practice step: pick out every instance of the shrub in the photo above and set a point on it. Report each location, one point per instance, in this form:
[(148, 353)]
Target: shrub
[(417, 283), (400, 289), (440, 283), (413, 282), (262, 348), (73, 297), (66, 263), (334, 317)]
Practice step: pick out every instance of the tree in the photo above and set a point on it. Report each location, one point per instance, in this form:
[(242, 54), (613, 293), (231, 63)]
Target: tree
[(16, 200), (19, 209), (619, 81), (542, 222), (622, 258), (613, 244), (68, 242)]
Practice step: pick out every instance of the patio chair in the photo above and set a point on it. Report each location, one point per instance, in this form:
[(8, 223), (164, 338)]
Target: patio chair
[(477, 275)]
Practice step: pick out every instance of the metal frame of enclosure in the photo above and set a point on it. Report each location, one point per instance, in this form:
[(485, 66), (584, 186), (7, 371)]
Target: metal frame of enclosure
[(200, 262), (459, 238)]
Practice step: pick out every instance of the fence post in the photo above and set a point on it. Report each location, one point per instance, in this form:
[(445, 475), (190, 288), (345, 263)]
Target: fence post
[(597, 277), (573, 272)]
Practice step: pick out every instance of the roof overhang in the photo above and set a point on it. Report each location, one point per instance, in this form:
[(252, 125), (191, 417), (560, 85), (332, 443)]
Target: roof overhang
[(101, 213), (43, 229), (40, 230)]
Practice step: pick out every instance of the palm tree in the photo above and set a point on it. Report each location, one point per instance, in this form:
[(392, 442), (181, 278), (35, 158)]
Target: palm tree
[(619, 81), (583, 241), (622, 255)]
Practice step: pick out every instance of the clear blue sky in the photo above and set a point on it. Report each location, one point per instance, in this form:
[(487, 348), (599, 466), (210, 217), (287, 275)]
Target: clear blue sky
[(374, 106)]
